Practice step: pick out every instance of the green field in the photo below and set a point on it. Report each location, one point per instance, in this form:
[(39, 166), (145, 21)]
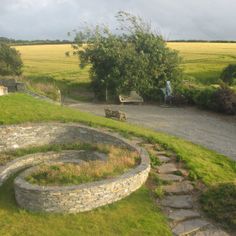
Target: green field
[(203, 62)]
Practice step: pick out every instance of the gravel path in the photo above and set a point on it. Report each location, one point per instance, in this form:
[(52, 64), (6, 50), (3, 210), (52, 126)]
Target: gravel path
[(214, 131)]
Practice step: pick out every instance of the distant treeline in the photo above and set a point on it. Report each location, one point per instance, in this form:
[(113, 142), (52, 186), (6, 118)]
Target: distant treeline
[(32, 42), (57, 41), (202, 41)]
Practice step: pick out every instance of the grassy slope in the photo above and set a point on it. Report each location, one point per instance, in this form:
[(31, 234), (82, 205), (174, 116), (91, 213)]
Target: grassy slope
[(201, 60), (126, 217), (135, 215), (206, 165)]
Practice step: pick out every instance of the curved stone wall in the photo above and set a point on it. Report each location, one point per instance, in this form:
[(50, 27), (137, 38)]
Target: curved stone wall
[(70, 199)]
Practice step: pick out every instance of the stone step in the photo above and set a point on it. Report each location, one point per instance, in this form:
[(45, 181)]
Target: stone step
[(211, 232), (136, 140), (167, 168), (178, 188), (189, 226), (163, 158), (178, 201), (171, 177), (160, 153), (181, 215)]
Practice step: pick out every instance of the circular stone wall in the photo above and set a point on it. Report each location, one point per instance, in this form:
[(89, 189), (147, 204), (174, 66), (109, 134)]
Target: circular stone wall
[(70, 199)]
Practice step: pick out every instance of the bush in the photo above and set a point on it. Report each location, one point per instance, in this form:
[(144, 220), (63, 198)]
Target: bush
[(219, 202), (216, 98), (10, 60), (229, 74), (224, 100), (203, 97)]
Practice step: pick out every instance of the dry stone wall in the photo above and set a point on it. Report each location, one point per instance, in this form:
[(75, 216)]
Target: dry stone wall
[(67, 199)]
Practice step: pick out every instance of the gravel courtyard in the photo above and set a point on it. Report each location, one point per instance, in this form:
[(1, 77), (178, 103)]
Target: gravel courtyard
[(214, 131)]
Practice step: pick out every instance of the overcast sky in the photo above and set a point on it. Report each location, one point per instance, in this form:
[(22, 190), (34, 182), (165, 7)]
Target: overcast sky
[(175, 19)]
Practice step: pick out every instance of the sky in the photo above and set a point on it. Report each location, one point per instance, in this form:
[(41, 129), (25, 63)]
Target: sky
[(174, 19)]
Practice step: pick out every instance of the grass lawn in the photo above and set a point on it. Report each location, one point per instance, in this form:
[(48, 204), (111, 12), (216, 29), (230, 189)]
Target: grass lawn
[(135, 215)]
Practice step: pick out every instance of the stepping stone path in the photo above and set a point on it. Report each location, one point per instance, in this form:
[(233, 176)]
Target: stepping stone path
[(168, 168), (178, 188), (179, 204), (171, 177), (164, 159), (182, 214)]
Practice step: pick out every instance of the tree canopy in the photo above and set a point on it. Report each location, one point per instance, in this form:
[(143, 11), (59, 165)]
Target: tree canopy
[(10, 60), (133, 58)]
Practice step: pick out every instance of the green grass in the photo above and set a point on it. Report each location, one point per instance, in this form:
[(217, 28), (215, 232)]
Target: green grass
[(134, 215)]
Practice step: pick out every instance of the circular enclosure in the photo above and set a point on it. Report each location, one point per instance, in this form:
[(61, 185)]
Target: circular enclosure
[(72, 199)]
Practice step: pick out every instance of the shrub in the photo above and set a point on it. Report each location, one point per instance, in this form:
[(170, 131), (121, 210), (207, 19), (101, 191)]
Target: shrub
[(179, 99), (229, 74), (10, 60), (203, 97), (219, 202), (216, 98), (224, 100)]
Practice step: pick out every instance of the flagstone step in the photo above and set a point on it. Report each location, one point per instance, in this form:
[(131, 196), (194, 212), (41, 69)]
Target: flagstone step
[(189, 226), (161, 152), (167, 168), (178, 188), (181, 215), (211, 232), (178, 201), (163, 158), (171, 177)]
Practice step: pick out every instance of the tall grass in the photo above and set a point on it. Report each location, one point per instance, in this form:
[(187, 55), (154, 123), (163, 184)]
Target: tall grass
[(119, 161)]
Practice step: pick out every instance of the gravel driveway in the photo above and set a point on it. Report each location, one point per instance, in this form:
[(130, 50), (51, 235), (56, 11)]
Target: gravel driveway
[(214, 131)]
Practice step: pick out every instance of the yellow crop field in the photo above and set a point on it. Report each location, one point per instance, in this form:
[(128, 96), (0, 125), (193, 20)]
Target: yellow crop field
[(51, 60), (205, 61), (202, 62)]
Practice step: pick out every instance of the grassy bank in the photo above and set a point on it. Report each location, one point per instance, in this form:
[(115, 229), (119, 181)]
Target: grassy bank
[(135, 215), (204, 164)]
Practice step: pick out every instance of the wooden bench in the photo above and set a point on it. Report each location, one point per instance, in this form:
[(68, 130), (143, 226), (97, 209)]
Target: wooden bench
[(115, 114), (132, 98)]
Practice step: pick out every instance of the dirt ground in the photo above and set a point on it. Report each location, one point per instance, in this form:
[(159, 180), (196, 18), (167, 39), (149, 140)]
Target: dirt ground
[(214, 131)]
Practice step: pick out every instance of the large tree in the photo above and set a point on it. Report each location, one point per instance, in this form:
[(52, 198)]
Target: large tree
[(134, 58), (10, 60)]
